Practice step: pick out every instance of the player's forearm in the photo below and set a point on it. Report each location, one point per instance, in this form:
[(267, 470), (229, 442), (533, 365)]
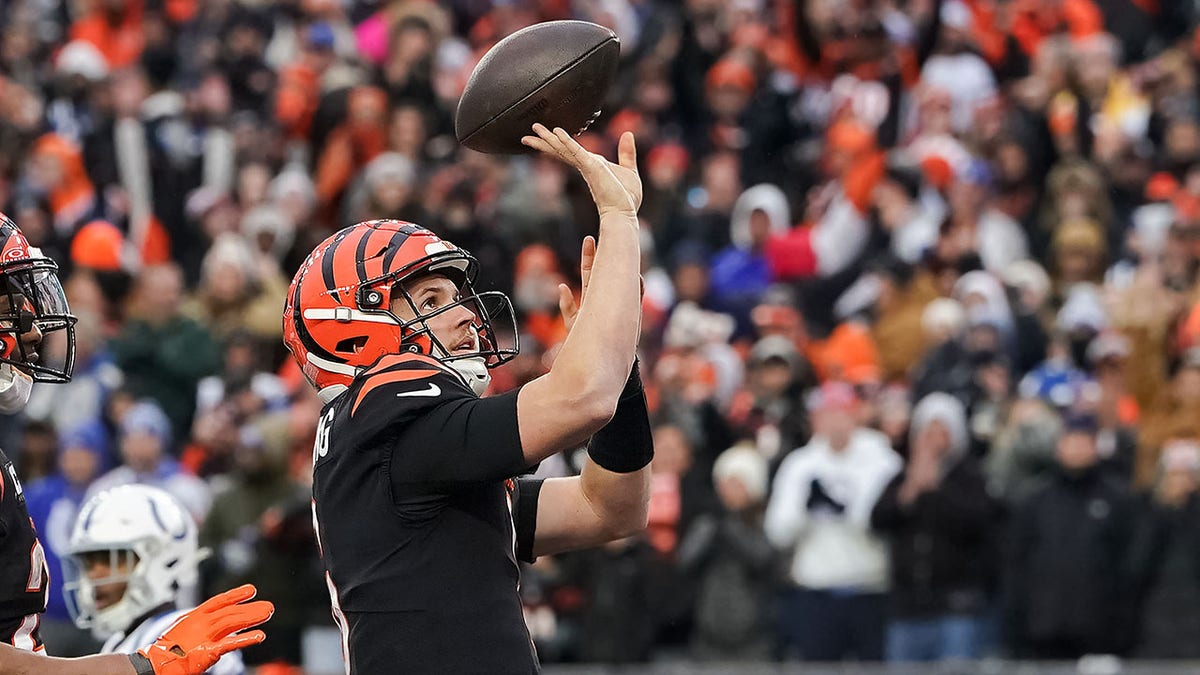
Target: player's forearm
[(620, 500), (14, 661), (597, 355), (616, 477)]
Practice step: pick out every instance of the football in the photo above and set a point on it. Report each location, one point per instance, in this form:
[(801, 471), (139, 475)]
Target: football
[(557, 73)]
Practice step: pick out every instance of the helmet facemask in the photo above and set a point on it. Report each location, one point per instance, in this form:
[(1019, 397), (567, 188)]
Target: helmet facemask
[(493, 327), (31, 296), (81, 591)]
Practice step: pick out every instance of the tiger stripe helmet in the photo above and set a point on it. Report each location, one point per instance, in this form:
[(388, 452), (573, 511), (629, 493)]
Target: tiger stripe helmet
[(338, 319)]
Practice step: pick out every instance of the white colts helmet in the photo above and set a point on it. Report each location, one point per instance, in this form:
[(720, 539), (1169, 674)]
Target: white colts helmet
[(146, 527)]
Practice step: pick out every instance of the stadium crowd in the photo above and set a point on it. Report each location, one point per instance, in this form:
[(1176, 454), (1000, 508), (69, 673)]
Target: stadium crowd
[(922, 301)]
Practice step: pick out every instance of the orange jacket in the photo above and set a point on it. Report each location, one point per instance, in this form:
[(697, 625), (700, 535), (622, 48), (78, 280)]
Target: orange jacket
[(121, 43)]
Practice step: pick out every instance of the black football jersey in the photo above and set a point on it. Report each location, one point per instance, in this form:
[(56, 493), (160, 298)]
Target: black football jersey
[(24, 576), (421, 524)]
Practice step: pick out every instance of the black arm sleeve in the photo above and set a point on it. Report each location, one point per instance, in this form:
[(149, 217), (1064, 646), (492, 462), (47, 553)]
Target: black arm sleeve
[(625, 444), (462, 440), (525, 506)]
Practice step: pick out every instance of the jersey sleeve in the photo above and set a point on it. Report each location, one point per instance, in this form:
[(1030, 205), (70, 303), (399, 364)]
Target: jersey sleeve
[(525, 506), (439, 433)]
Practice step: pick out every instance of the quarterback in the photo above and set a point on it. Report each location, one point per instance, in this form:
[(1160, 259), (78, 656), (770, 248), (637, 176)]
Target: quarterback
[(420, 514)]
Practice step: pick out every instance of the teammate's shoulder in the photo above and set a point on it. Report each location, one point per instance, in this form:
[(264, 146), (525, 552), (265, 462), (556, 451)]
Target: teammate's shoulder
[(413, 379)]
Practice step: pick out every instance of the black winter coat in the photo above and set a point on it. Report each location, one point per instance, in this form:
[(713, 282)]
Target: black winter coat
[(1072, 571), (1170, 551), (940, 544)]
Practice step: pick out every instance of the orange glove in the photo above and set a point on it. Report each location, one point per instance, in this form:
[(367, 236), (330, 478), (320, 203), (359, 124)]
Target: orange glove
[(198, 640)]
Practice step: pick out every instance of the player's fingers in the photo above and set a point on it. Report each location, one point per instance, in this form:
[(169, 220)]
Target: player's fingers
[(233, 619), (588, 254), (561, 150), (538, 144), (550, 136), (231, 597), (240, 641), (572, 147), (566, 301), (549, 139), (627, 152), (586, 260)]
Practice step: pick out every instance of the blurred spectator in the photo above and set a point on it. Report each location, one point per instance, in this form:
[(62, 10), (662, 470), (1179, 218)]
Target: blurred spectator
[(1172, 557), (163, 353), (939, 519), (819, 515), (1029, 285), (739, 274), (680, 491), (734, 561), (709, 205), (144, 438), (1174, 414), (246, 526), (536, 278), (770, 408), (980, 227), (38, 449), (352, 146), (298, 92), (1071, 573), (53, 502), (82, 401), (114, 28), (663, 185), (620, 594), (900, 301), (1023, 450), (56, 173), (695, 375), (237, 292), (270, 228)]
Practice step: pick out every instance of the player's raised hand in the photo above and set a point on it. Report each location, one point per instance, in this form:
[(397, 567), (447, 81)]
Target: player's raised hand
[(198, 640), (616, 187), (568, 307)]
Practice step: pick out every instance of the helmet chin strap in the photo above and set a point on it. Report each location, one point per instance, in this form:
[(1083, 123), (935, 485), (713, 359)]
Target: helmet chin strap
[(474, 372)]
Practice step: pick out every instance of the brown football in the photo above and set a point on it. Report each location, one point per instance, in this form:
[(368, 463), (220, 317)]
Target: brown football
[(557, 73)]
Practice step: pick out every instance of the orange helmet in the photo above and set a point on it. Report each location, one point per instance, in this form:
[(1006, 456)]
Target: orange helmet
[(338, 319)]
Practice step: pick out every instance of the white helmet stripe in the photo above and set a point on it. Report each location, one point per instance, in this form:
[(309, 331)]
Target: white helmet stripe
[(346, 314), (332, 366)]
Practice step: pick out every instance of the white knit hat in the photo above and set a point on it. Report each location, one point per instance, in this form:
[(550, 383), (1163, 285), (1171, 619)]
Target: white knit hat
[(745, 463)]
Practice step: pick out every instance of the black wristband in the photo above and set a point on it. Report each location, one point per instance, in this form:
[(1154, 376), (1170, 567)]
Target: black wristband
[(141, 664), (625, 444)]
